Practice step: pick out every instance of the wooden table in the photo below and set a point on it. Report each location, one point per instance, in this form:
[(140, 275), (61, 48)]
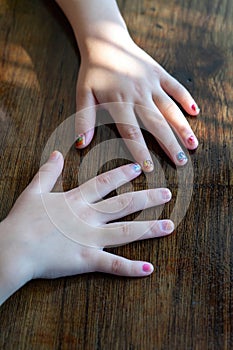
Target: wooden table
[(187, 302)]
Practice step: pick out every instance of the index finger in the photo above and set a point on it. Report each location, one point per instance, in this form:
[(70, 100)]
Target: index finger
[(98, 187)]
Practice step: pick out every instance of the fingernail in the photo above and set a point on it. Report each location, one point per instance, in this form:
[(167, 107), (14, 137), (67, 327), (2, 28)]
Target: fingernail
[(195, 108), (81, 140), (181, 157), (166, 194), (147, 267), (54, 155), (192, 141), (167, 226), (136, 167), (148, 165)]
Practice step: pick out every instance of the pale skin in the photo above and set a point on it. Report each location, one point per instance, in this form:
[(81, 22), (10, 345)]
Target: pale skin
[(34, 244), (114, 69)]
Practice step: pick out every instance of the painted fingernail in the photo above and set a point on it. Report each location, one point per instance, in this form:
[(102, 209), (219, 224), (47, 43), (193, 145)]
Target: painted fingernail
[(167, 226), (181, 157), (191, 140), (148, 165), (166, 194), (147, 268), (81, 140), (195, 108), (137, 167), (54, 155)]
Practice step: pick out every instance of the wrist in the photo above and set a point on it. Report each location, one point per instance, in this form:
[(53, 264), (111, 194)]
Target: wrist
[(15, 268), (94, 43), (95, 21)]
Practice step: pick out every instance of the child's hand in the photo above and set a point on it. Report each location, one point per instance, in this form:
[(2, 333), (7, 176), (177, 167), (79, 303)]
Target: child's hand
[(119, 71), (48, 235)]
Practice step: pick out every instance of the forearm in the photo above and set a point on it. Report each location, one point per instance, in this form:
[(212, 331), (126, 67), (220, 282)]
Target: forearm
[(94, 19)]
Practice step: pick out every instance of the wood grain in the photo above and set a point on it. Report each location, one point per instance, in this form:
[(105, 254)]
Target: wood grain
[(187, 302)]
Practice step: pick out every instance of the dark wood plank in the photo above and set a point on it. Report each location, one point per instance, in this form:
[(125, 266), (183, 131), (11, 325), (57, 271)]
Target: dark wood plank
[(187, 302)]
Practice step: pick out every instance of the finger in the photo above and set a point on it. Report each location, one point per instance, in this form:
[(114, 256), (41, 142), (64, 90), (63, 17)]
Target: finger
[(179, 93), (117, 265), (176, 119), (130, 131), (154, 121), (85, 117), (48, 174), (120, 233), (98, 187), (128, 203)]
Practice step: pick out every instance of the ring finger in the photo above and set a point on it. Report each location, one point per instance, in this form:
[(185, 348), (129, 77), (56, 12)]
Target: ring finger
[(154, 121)]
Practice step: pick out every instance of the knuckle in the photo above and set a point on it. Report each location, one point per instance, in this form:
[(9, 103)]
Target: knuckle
[(82, 120), (159, 121), (154, 229), (122, 201), (138, 89), (73, 195), (116, 266), (103, 179), (157, 70), (151, 195), (125, 229), (183, 129), (85, 254), (121, 97), (172, 145), (126, 201), (133, 133), (169, 107), (180, 89), (85, 215)]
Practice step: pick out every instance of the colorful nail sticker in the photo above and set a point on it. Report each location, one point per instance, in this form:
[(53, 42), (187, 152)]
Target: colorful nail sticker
[(80, 140), (147, 164), (136, 167), (181, 156)]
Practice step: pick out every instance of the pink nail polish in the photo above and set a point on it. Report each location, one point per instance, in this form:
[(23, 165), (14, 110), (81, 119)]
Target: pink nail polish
[(146, 268), (195, 108), (191, 140)]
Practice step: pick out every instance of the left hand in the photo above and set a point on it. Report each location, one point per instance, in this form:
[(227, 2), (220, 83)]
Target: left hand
[(119, 71)]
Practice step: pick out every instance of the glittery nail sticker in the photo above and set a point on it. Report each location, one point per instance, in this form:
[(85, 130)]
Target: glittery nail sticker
[(147, 164), (80, 140), (136, 167), (181, 156)]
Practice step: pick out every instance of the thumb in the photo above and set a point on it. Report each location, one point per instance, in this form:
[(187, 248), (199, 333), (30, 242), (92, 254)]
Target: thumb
[(85, 117), (48, 174)]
